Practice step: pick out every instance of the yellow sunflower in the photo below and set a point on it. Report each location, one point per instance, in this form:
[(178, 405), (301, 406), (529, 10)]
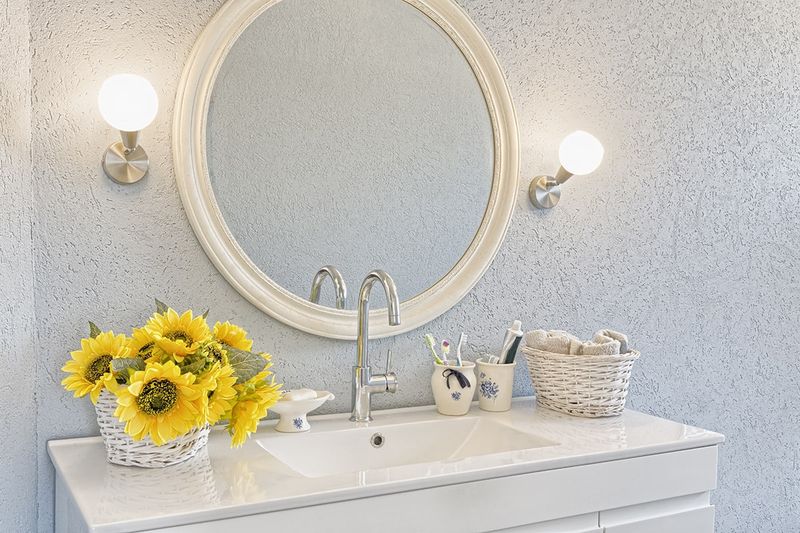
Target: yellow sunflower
[(219, 381), (232, 335), (92, 362), (253, 400), (161, 402), (112, 385), (215, 352), (178, 335), (142, 344)]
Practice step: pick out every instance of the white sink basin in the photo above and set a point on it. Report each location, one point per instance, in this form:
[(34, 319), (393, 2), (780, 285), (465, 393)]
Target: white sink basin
[(444, 440)]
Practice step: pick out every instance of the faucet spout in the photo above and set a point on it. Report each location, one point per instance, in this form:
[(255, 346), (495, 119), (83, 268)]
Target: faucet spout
[(393, 304), (364, 383)]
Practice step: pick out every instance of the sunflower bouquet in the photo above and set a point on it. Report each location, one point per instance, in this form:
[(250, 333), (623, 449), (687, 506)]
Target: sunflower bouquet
[(174, 375)]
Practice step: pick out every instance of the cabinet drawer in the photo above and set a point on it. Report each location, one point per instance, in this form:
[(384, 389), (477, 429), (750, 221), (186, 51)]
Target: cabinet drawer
[(586, 523), (694, 521)]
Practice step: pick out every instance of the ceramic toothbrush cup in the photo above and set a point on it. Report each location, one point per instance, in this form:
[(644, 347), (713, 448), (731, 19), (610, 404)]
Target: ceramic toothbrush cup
[(495, 385), (453, 393), (293, 412)]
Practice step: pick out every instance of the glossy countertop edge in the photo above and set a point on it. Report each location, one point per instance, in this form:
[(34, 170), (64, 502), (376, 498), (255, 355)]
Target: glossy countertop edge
[(709, 438)]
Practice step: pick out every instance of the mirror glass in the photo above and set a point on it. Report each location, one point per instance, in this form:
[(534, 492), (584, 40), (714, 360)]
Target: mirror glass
[(351, 133)]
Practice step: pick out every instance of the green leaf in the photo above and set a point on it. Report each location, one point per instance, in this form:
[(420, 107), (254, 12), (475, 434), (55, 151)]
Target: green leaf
[(94, 331), (245, 364), (205, 315), (125, 363), (161, 307), (194, 366)]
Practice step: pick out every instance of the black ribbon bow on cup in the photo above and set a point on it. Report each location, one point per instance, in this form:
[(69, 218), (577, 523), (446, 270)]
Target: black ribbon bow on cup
[(461, 378)]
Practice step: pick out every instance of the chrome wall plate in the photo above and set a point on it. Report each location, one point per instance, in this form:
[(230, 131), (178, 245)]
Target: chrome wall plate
[(544, 192), (125, 166)]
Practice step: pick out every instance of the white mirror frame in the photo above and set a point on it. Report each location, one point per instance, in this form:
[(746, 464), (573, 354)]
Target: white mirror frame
[(188, 143)]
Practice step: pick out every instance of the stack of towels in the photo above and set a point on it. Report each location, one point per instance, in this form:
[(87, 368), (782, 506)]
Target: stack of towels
[(604, 342)]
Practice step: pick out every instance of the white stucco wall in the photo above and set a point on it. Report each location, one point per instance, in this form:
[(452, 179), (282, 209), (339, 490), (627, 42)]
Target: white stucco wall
[(686, 238), (17, 333)]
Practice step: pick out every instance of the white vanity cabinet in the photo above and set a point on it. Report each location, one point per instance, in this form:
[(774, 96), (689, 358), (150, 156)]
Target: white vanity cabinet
[(544, 472)]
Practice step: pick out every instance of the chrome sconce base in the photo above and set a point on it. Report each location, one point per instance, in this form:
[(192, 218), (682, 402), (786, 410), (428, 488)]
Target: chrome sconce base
[(544, 192), (126, 162)]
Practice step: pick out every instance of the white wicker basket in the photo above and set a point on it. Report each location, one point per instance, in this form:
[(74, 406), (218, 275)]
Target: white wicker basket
[(121, 449), (581, 385)]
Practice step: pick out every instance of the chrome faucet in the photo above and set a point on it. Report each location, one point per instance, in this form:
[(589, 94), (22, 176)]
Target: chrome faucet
[(364, 383), (338, 285)]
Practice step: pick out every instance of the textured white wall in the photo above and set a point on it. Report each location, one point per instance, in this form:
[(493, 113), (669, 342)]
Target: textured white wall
[(686, 237), (17, 351), (304, 77)]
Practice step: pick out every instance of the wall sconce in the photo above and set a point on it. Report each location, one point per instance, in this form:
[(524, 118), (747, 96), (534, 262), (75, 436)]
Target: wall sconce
[(128, 103), (580, 153)]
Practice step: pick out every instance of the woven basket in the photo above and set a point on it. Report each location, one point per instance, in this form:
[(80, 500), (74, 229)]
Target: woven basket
[(581, 385), (121, 449)]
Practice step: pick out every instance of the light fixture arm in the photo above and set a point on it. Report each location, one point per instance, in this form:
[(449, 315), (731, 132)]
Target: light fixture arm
[(562, 175), (130, 140)]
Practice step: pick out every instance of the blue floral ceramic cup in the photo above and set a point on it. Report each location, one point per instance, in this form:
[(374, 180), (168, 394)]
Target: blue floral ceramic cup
[(495, 385), (453, 387)]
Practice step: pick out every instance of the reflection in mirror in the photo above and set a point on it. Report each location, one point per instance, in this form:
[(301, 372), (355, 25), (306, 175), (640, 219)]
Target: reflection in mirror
[(339, 285), (350, 133)]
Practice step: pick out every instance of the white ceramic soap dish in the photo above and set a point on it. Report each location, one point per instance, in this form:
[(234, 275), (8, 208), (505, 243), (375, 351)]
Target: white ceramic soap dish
[(293, 412)]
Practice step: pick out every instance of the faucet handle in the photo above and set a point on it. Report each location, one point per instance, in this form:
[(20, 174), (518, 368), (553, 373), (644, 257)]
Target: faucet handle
[(389, 361), (391, 377)]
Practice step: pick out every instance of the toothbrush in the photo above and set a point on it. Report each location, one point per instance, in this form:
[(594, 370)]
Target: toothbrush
[(430, 342), (461, 340), (445, 350)]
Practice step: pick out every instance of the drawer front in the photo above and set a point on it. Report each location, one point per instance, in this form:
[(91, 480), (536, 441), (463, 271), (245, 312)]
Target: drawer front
[(586, 523), (694, 521)]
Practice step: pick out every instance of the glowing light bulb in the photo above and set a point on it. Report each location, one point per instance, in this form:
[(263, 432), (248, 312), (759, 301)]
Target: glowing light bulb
[(128, 102), (580, 153)]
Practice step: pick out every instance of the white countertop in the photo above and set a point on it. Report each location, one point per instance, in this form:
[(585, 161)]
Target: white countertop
[(222, 483)]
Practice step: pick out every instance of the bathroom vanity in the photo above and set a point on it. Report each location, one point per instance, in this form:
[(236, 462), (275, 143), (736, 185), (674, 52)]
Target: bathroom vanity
[(529, 469)]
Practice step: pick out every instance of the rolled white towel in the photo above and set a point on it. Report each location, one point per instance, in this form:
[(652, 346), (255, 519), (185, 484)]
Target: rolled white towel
[(554, 341), (617, 336), (600, 345)]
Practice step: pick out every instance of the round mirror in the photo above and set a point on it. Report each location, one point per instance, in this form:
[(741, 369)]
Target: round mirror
[(362, 134)]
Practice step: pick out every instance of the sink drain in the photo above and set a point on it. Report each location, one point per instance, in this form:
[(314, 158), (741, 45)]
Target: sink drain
[(377, 440)]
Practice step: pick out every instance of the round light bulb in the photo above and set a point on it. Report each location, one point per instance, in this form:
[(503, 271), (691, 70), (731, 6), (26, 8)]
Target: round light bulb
[(580, 153), (128, 102)]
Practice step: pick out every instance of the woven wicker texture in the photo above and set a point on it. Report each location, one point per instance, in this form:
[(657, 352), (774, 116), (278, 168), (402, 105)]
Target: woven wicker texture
[(121, 449), (581, 385)]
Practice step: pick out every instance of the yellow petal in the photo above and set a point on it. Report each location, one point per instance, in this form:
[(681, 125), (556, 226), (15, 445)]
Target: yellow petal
[(135, 388)]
